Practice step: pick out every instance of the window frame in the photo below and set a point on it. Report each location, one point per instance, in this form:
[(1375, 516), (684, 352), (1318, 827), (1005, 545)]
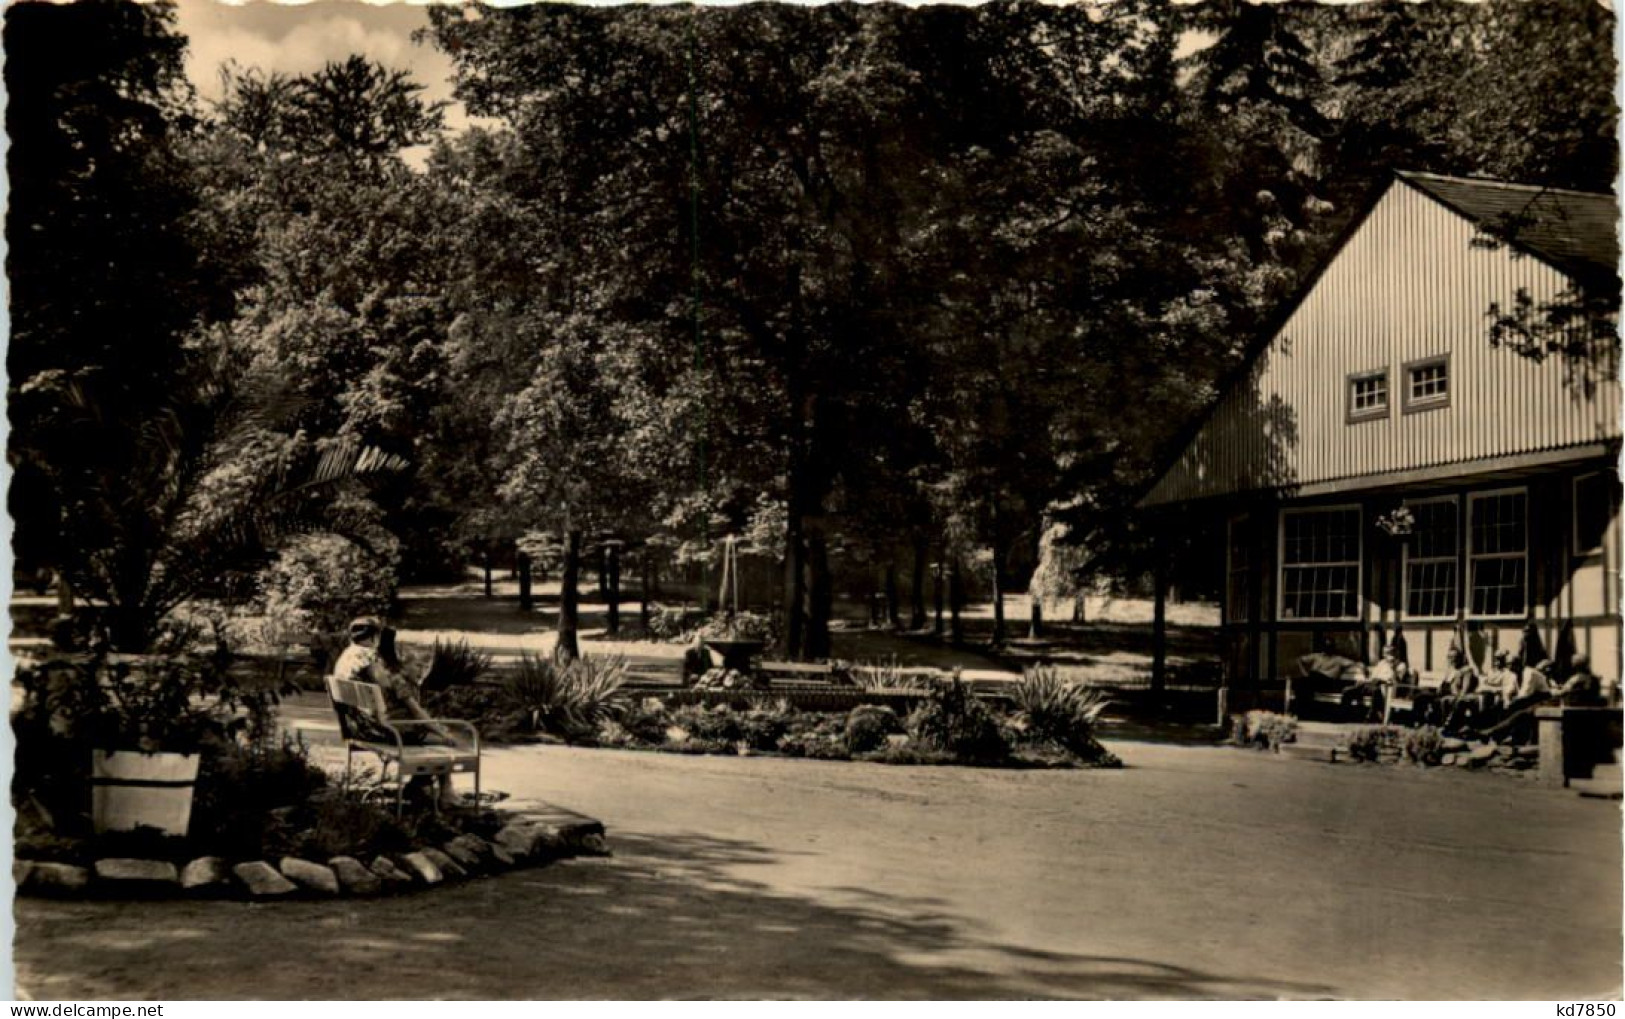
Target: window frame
[(1358, 562), (1473, 557), (1411, 404), (1353, 416), (1574, 515), (1239, 523), (1454, 557)]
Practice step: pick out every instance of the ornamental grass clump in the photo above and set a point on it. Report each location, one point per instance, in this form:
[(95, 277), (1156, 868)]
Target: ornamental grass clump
[(455, 664), (568, 700), (1055, 710)]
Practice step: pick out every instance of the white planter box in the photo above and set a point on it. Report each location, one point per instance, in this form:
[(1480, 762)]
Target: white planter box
[(131, 790)]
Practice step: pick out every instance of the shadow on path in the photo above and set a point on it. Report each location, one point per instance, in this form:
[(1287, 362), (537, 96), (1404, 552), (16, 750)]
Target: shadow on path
[(669, 917)]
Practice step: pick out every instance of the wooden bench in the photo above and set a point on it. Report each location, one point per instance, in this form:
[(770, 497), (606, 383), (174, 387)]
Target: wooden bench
[(1575, 740)]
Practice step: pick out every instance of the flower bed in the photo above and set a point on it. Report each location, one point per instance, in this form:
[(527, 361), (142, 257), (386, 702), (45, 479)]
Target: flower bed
[(256, 798), (1045, 722)]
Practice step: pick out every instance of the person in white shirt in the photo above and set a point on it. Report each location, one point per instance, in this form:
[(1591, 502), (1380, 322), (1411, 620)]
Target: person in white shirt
[(370, 658)]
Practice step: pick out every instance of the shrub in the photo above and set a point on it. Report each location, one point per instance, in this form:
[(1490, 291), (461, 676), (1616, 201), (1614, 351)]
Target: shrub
[(455, 664), (821, 737), (1424, 745), (1265, 730), (762, 728), (867, 727), (741, 626), (671, 622), (322, 581), (489, 708), (953, 719), (1367, 742), (244, 787), (1051, 709), (646, 721)]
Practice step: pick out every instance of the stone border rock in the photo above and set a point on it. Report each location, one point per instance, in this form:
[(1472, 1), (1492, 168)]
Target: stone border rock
[(528, 838)]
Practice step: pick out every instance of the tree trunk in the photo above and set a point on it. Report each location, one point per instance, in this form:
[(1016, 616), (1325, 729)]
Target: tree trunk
[(526, 603), (612, 589), (937, 592), (1159, 630), (602, 567), (645, 587), (794, 584), (956, 598), (894, 617), (820, 595), (998, 597), (569, 645), (487, 564), (1080, 608), (916, 599), (1035, 629)]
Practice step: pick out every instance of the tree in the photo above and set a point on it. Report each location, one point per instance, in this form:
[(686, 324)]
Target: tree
[(346, 263)]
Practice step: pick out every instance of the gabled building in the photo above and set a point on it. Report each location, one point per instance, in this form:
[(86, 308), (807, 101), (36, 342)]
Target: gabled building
[(1379, 464)]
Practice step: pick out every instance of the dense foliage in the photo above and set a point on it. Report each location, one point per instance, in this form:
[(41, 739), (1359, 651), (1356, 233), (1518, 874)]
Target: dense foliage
[(873, 287)]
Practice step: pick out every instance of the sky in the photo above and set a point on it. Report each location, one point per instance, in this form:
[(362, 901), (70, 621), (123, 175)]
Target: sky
[(296, 39)]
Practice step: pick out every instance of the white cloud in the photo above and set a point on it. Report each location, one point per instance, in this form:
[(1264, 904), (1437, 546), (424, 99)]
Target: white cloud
[(296, 40)]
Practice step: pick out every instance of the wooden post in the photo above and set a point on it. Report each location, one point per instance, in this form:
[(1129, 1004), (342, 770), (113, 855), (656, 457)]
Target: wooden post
[(525, 601), (1159, 628)]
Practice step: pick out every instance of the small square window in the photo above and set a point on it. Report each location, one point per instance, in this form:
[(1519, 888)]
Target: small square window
[(1427, 384), (1368, 396)]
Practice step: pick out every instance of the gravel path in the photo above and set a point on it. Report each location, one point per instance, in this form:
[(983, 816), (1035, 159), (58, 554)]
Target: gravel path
[(1197, 871)]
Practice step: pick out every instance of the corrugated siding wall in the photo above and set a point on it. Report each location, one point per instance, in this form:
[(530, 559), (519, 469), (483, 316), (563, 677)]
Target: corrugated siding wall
[(1408, 285)]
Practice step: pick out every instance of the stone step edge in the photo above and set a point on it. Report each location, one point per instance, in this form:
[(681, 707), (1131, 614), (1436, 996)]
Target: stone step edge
[(579, 836)]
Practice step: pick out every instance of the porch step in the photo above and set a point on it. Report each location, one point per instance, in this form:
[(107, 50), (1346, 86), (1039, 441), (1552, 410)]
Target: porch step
[(1606, 783)]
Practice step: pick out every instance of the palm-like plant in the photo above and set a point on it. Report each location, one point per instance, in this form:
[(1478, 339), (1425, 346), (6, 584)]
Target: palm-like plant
[(199, 486), (566, 698), (1059, 710)]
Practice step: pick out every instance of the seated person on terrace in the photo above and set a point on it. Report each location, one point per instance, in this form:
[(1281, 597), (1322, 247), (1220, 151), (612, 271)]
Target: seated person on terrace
[(1534, 692), (1458, 698), (372, 658), (1373, 689), (1582, 689), (1498, 689)]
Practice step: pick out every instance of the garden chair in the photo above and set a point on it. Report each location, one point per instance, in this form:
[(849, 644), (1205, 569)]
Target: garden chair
[(361, 713)]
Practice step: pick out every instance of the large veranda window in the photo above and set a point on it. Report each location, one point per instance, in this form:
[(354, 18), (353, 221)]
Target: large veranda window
[(1238, 591), (1431, 580), (1320, 563), (1498, 553)]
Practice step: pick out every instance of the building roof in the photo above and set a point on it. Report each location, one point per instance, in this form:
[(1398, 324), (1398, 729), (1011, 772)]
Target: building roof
[(1278, 421), (1574, 231)]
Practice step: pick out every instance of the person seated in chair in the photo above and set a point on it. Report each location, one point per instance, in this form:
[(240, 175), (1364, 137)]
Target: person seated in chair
[(1458, 698), (372, 658), (1582, 689), (1326, 672), (1372, 689), (1498, 689), (1536, 691)]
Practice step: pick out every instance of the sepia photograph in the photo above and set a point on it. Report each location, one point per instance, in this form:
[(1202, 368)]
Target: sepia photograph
[(1109, 500)]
